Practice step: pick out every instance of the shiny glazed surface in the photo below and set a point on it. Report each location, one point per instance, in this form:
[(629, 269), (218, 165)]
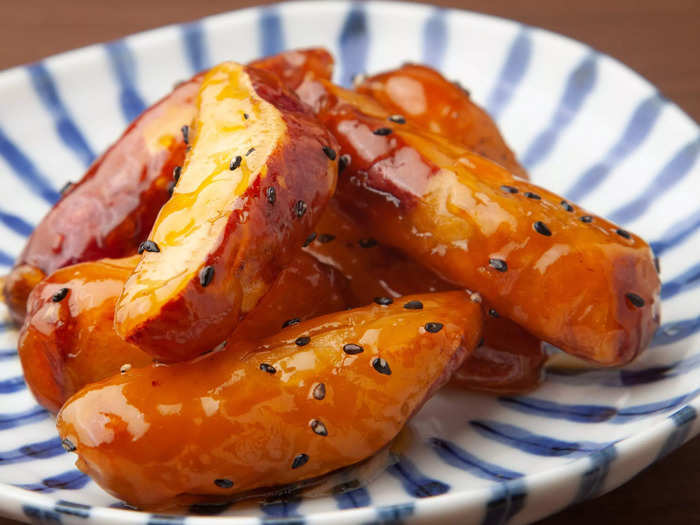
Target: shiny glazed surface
[(525, 249), (158, 432), (431, 102), (251, 137), (71, 343)]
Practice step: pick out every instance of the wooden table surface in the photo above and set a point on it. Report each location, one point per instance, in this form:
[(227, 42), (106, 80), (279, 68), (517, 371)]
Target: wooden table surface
[(659, 39)]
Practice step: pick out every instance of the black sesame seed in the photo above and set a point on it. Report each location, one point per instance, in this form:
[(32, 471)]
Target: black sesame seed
[(67, 186), (568, 207), (330, 152), (635, 299), (300, 208), (343, 162), (290, 322), (325, 238), (60, 295), (498, 264), (586, 218), (381, 366), (369, 242), (433, 328), (171, 188), (177, 170), (384, 301), (267, 368), (319, 391), (541, 228), (318, 427), (413, 305), (185, 134), (493, 313), (271, 194), (382, 132), (300, 460), (657, 265), (531, 195), (148, 246), (235, 163), (509, 189), (623, 233), (251, 150), (352, 349), (302, 341), (206, 274), (310, 239), (481, 343), (399, 119), (223, 483), (68, 445), (245, 116)]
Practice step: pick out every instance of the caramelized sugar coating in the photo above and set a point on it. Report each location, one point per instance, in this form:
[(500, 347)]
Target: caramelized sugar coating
[(260, 171), (510, 361), (68, 339), (110, 211), (318, 396), (566, 276), (429, 101)]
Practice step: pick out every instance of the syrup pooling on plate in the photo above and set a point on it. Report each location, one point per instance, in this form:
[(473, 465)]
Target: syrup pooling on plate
[(68, 339), (221, 239), (255, 421)]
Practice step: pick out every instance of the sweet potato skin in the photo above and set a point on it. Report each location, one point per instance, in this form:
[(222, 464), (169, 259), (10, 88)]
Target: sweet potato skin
[(66, 345), (165, 309), (110, 211), (157, 433), (430, 102), (586, 286)]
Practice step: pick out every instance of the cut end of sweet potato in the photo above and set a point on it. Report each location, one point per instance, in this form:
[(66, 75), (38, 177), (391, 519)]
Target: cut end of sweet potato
[(259, 171)]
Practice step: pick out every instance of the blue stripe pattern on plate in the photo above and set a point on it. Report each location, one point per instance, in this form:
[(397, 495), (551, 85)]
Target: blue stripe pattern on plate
[(435, 39), (512, 73), (354, 44), (67, 130), (635, 133), (579, 85), (124, 67)]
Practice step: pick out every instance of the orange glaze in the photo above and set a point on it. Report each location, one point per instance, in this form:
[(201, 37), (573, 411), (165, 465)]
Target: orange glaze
[(444, 206), (431, 102), (223, 237), (160, 432), (112, 208), (511, 359), (71, 343)]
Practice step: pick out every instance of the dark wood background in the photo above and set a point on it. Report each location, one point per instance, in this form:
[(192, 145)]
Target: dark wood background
[(659, 39)]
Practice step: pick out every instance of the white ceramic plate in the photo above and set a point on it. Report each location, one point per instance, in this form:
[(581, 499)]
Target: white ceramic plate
[(583, 124)]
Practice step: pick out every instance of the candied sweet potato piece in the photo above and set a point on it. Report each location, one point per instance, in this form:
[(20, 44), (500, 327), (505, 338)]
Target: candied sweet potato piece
[(566, 276), (112, 208), (260, 171), (68, 343), (429, 101), (318, 396), (110, 211)]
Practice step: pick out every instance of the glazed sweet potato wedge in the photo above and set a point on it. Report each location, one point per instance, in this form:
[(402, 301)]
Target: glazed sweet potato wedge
[(318, 396), (509, 361), (260, 171), (68, 339), (429, 101), (566, 276), (111, 210)]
